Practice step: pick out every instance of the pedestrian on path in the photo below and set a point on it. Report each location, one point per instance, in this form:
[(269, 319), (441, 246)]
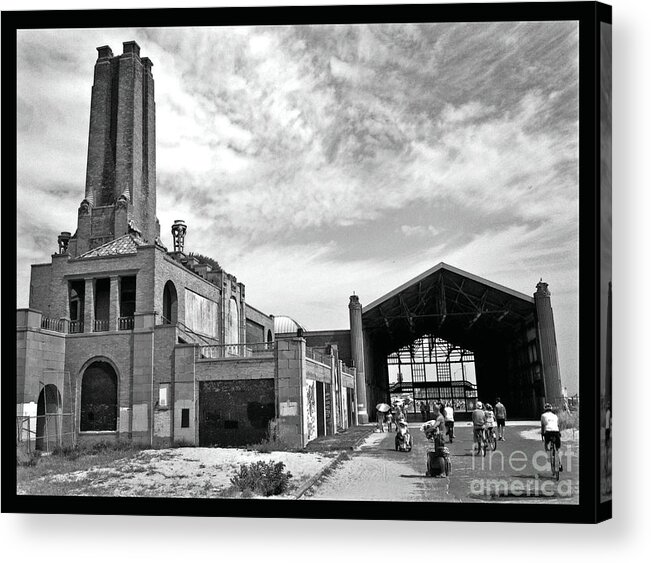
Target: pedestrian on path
[(448, 414), (500, 417)]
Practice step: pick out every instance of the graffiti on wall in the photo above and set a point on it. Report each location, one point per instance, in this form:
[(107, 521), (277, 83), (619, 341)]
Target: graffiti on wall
[(310, 410)]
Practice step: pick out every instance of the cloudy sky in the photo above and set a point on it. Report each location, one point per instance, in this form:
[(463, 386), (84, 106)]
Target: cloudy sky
[(317, 161)]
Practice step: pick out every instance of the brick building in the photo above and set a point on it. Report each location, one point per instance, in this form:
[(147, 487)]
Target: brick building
[(127, 340)]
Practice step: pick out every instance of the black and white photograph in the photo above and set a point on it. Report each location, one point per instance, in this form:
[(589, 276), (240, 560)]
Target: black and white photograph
[(307, 262)]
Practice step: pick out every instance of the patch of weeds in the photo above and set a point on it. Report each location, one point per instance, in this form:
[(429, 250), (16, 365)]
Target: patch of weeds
[(264, 478), (28, 459), (568, 419)]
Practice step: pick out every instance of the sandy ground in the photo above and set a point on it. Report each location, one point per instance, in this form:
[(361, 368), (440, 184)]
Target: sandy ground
[(369, 477), (184, 472)]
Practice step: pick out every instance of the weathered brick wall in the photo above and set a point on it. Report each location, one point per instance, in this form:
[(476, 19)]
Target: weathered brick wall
[(167, 269), (235, 412), (254, 332), (321, 339), (39, 288), (235, 369), (184, 394), (116, 348), (260, 319), (290, 381), (164, 341), (101, 225), (37, 351), (56, 295)]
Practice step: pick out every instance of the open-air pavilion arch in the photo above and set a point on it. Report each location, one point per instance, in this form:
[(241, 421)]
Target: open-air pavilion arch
[(511, 334)]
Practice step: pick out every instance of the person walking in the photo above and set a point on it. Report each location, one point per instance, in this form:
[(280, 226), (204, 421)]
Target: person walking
[(423, 411), (478, 422), (500, 418), (448, 414)]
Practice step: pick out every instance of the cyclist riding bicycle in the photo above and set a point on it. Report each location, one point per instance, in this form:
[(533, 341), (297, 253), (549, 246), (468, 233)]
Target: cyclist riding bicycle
[(478, 422), (549, 430)]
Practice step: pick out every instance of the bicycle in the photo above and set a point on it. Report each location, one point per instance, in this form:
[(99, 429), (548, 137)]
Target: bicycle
[(491, 439), (480, 439), (554, 460)]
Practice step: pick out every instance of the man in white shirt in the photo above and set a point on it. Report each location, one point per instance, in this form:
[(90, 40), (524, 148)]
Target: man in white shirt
[(449, 421), (549, 429)]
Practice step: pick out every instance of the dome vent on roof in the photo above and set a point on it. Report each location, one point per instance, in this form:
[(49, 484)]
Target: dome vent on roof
[(284, 325)]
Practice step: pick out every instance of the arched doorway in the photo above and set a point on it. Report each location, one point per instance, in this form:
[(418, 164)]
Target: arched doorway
[(170, 304), (48, 418), (99, 398)]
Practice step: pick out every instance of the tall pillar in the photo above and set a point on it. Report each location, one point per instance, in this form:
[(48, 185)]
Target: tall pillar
[(89, 305), (357, 349), (99, 169), (548, 346), (114, 304)]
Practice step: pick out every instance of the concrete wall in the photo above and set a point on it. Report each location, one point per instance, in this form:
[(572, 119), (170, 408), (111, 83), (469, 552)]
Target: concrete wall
[(290, 381)]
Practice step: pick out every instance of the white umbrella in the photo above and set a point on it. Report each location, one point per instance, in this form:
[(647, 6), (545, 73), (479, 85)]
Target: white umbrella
[(383, 407)]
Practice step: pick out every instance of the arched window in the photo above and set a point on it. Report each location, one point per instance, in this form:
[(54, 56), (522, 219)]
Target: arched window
[(169, 304), (99, 398)]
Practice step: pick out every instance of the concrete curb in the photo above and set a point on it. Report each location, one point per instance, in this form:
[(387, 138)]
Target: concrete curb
[(360, 441), (312, 480)]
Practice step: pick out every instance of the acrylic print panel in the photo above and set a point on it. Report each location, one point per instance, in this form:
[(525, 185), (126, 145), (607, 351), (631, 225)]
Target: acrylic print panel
[(606, 372), (428, 171)]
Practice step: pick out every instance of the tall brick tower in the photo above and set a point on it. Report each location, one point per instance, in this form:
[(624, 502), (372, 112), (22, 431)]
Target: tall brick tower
[(120, 194)]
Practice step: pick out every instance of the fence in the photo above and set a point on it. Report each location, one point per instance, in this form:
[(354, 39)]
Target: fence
[(44, 432), (317, 356)]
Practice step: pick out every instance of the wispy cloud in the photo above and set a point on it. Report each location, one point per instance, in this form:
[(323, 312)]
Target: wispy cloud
[(312, 161)]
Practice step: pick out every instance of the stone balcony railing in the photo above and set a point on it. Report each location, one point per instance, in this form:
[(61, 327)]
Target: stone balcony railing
[(35, 319), (217, 351)]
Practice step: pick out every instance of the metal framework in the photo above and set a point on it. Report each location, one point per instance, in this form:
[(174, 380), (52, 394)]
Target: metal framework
[(434, 365), (53, 428)]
